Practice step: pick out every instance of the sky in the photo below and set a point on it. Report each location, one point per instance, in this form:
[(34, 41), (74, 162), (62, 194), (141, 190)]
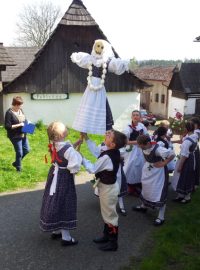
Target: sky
[(144, 29)]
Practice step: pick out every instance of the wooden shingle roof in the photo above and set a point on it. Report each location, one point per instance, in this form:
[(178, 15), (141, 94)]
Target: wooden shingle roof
[(186, 78), (5, 59), (77, 14), (163, 74), (23, 56)]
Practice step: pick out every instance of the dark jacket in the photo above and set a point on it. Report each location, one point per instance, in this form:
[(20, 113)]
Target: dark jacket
[(11, 119)]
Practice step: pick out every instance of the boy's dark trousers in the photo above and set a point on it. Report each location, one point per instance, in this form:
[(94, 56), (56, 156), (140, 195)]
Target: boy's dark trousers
[(110, 238)]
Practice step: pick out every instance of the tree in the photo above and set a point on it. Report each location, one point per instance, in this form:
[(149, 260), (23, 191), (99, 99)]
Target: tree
[(36, 23)]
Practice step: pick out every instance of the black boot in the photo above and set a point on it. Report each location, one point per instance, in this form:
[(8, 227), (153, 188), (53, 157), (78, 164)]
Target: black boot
[(104, 238), (112, 244)]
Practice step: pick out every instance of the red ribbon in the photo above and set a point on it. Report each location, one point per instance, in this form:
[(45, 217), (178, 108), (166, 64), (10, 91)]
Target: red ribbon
[(54, 154)]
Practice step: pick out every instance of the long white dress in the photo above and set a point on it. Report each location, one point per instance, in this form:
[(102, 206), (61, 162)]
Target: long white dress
[(134, 160), (91, 114)]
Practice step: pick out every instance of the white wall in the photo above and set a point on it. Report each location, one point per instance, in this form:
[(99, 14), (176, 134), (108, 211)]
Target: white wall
[(176, 103), (65, 110), (190, 106)]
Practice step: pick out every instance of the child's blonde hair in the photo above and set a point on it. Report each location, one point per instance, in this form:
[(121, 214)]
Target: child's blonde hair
[(56, 131), (164, 123)]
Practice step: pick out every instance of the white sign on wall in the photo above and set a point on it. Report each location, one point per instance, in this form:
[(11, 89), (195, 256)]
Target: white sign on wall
[(50, 96)]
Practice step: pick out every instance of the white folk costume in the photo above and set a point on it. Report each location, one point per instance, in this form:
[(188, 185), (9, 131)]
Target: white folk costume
[(94, 114), (183, 182), (135, 160), (154, 180), (59, 205), (105, 169), (121, 179)]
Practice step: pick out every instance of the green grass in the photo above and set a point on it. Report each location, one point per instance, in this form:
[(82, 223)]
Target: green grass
[(34, 168), (175, 245)]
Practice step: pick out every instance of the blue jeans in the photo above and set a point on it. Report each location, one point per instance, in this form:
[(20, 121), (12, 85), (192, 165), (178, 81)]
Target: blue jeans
[(21, 147)]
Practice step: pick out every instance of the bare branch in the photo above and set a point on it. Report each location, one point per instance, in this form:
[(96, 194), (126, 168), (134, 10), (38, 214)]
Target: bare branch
[(36, 24)]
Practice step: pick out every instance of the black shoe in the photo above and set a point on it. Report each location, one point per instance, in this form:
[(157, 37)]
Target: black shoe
[(122, 211), (72, 242), (110, 246), (178, 199), (139, 208), (99, 240), (158, 222), (55, 236), (14, 164)]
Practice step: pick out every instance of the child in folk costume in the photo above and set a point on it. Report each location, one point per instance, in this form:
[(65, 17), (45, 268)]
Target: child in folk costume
[(135, 160), (154, 177), (161, 137), (94, 114), (105, 170), (59, 205), (183, 180), (196, 122), (121, 178)]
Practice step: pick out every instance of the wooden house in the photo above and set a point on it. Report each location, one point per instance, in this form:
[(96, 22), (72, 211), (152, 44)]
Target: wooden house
[(185, 89), (156, 98), (5, 61), (52, 85)]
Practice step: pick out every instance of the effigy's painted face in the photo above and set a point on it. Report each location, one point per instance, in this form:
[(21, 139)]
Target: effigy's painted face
[(98, 47)]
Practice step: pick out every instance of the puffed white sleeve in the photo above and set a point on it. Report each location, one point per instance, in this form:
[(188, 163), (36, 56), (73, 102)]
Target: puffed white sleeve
[(118, 66), (164, 152), (82, 59), (74, 160), (94, 149), (185, 148), (127, 132), (103, 163)]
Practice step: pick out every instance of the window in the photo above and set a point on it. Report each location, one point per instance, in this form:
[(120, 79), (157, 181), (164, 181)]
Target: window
[(156, 97), (163, 99)]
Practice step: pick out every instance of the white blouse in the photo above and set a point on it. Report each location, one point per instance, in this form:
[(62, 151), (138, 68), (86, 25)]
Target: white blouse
[(73, 157)]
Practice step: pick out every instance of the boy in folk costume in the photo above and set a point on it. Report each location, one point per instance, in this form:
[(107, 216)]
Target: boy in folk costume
[(94, 114), (135, 160), (183, 180), (121, 178), (59, 205), (154, 177), (105, 170)]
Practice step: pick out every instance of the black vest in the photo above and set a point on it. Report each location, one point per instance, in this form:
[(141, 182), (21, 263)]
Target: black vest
[(152, 158), (110, 177), (193, 146), (134, 133)]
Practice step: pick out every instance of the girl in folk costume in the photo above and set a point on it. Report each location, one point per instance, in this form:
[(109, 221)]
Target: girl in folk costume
[(183, 180), (121, 178), (162, 137), (196, 122), (59, 205), (94, 114), (154, 177), (105, 170), (135, 160)]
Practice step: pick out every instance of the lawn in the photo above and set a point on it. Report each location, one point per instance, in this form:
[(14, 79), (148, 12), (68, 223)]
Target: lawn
[(34, 167)]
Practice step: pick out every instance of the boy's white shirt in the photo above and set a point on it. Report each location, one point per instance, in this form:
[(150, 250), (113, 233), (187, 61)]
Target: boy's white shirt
[(128, 130), (103, 163), (161, 151), (73, 157)]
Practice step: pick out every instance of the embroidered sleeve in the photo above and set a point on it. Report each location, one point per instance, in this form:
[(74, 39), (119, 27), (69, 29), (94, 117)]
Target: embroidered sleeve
[(74, 160)]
